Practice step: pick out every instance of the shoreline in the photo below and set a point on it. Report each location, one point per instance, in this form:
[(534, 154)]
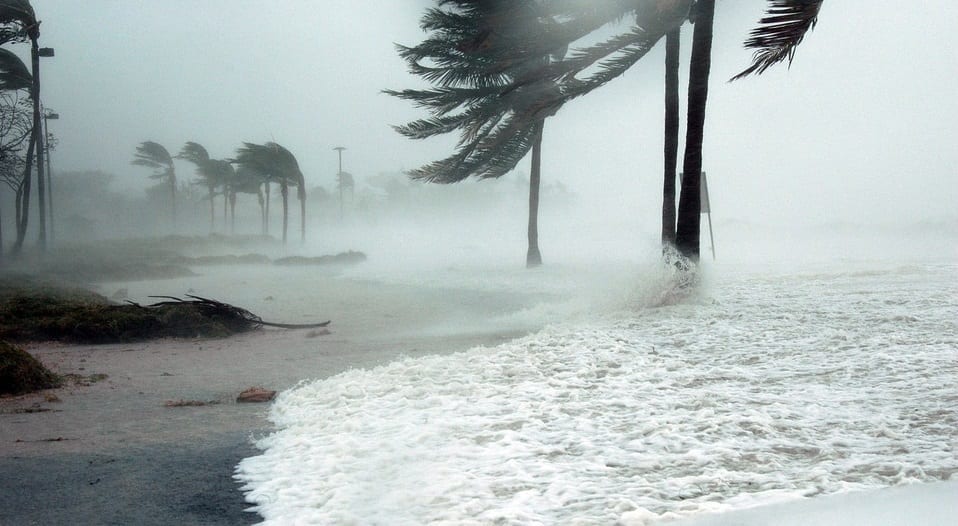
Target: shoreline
[(111, 453)]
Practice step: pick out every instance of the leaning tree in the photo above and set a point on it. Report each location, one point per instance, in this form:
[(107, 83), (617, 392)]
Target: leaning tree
[(280, 165), (212, 173), (154, 155), (462, 57), (498, 114)]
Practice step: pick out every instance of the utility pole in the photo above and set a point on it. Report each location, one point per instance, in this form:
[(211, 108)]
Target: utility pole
[(339, 179), (49, 115)]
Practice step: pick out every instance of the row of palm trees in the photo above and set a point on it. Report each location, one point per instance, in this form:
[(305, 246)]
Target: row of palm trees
[(253, 171), (499, 69)]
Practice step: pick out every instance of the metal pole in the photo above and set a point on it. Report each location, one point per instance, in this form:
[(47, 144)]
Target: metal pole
[(339, 179), (46, 132)]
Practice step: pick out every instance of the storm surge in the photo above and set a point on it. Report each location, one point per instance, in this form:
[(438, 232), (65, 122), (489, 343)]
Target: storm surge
[(768, 385)]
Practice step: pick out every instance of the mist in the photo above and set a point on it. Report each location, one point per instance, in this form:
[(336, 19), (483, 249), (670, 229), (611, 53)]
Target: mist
[(808, 352), (855, 135)]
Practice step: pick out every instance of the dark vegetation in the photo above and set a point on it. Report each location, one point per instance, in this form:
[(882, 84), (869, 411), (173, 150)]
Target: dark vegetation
[(22, 373), (45, 311)]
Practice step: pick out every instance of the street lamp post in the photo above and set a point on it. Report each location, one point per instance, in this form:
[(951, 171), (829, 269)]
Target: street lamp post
[(49, 115), (339, 178), (36, 53)]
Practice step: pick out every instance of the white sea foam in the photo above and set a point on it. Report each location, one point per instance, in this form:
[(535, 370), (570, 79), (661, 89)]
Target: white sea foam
[(770, 386)]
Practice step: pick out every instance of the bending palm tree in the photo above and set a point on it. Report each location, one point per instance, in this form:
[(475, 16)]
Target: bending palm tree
[(280, 165), (154, 155), (469, 45)]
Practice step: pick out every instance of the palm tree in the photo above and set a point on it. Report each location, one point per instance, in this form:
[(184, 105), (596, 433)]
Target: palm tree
[(498, 112), (154, 155), (197, 154), (469, 43), (18, 22), (280, 165)]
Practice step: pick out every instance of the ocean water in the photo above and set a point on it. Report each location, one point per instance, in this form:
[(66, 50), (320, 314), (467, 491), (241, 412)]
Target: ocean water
[(635, 404)]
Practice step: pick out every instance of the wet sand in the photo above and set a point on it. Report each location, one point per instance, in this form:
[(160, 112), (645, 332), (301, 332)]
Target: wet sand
[(111, 452)]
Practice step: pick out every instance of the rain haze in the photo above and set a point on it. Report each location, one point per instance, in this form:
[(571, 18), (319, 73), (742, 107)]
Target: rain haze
[(804, 373), (859, 130)]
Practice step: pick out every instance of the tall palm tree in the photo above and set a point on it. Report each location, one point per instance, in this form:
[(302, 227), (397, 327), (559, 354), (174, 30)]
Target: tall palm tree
[(154, 155), (281, 166), (469, 43), (498, 113)]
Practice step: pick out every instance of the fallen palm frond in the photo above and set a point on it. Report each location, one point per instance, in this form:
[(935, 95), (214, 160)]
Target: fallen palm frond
[(226, 312), (54, 313)]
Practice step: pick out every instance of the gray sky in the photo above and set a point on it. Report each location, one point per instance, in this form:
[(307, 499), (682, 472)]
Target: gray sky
[(861, 128)]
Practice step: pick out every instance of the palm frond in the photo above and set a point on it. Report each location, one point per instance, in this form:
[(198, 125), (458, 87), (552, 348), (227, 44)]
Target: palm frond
[(153, 155), (13, 72), (194, 153), (779, 33)]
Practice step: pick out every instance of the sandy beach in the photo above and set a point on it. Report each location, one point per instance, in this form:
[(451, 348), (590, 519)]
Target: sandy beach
[(111, 452)]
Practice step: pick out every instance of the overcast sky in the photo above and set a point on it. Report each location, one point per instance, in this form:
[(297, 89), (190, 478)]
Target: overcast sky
[(861, 128)]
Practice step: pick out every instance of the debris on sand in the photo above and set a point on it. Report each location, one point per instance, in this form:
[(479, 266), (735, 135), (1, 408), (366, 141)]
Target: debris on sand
[(256, 394), (54, 313)]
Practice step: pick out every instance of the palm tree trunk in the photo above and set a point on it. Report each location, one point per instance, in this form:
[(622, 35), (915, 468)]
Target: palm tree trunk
[(212, 212), (533, 257), (301, 193), (284, 190), (226, 208), (38, 133), (671, 135), (23, 198), (172, 179), (262, 212), (266, 215), (690, 203), (233, 213)]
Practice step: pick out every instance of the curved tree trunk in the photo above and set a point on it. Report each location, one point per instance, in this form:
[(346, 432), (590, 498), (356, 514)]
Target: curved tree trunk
[(212, 212), (23, 198), (172, 179), (284, 191), (262, 211), (232, 212), (671, 135), (266, 214), (533, 257), (226, 208), (301, 194), (690, 201)]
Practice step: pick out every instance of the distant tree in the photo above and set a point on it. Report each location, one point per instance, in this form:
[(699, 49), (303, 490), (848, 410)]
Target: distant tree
[(154, 155), (208, 176), (247, 181), (280, 165)]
